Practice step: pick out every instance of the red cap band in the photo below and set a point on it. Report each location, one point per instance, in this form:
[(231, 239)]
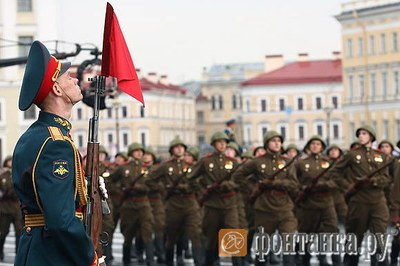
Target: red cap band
[(51, 75)]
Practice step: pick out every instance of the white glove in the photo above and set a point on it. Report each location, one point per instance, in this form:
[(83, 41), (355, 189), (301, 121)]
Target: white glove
[(102, 187)]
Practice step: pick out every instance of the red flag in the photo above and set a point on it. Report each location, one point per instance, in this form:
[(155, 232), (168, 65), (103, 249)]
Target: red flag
[(116, 59)]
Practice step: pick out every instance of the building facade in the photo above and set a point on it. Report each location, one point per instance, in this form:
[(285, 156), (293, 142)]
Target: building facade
[(371, 67)]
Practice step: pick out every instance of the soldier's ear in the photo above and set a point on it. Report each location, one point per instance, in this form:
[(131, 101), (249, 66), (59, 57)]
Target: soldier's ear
[(56, 89)]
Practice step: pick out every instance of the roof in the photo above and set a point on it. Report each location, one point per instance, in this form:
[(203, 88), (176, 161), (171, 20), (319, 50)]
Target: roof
[(235, 70), (319, 71)]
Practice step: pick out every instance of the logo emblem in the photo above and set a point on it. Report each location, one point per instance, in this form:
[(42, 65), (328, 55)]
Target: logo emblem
[(60, 169), (232, 242)]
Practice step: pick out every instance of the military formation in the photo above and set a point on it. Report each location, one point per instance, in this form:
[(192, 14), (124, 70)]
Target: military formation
[(162, 206)]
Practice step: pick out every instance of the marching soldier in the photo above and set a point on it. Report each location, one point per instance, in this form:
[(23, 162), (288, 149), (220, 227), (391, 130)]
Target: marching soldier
[(9, 207), (136, 214), (220, 208), (316, 211), (47, 171), (367, 209), (273, 190), (182, 209), (335, 154)]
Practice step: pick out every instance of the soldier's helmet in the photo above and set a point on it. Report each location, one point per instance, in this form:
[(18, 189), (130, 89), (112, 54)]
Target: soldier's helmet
[(8, 158), (194, 151), (387, 142), (233, 145), (270, 135), (292, 146), (102, 149), (219, 135), (151, 151), (369, 129), (175, 142), (123, 155), (334, 146), (135, 146), (316, 137), (248, 154)]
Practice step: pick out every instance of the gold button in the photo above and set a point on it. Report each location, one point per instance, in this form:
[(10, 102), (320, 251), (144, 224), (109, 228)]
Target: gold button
[(28, 229), (274, 168)]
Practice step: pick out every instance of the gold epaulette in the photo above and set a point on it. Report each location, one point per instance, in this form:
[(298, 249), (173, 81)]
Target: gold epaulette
[(56, 133)]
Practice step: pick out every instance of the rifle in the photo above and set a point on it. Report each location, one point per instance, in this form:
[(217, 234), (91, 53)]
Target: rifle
[(126, 192), (260, 188), (302, 196), (206, 194), (355, 187), (170, 190), (96, 206)]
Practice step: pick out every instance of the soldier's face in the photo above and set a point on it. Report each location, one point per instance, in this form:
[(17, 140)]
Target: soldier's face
[(386, 148), (147, 158), (70, 87), (189, 158), (137, 154), (229, 152), (119, 160), (364, 137), (102, 156), (220, 145), (292, 153), (178, 150), (316, 147), (334, 153), (260, 152), (275, 144)]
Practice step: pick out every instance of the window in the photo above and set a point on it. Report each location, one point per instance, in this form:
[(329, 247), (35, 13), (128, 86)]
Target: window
[(110, 138), (283, 131), (125, 139), (335, 131), (201, 139), (234, 102), (221, 102), (263, 105), (109, 112), (124, 110), (301, 132), (383, 43), (300, 104), (384, 84), (352, 130), (80, 141), (362, 86), (320, 130), (360, 46), (349, 48), (79, 113), (396, 82), (385, 129), (143, 138), (318, 103), (373, 84), (335, 102), (24, 44), (281, 104), (248, 106), (213, 102), (351, 86), (264, 131), (200, 117), (394, 42), (30, 113), (141, 111), (373, 124), (371, 45), (24, 5)]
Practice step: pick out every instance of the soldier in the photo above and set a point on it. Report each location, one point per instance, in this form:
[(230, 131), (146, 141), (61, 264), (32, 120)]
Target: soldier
[(220, 208), (247, 155), (292, 151), (367, 209), (182, 209), (9, 207), (136, 214), (335, 154), (121, 158), (274, 198), (259, 151), (316, 212), (46, 168)]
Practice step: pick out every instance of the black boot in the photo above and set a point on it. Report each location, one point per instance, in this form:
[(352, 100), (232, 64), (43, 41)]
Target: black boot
[(197, 256), (209, 258), (160, 250), (289, 260), (395, 251), (139, 250), (149, 249), (2, 249), (350, 260), (107, 253), (274, 259), (250, 236), (323, 261), (257, 262), (306, 259), (169, 257), (237, 261), (126, 254)]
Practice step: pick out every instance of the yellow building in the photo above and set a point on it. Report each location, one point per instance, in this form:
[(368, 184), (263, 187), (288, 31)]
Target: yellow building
[(299, 99), (371, 66)]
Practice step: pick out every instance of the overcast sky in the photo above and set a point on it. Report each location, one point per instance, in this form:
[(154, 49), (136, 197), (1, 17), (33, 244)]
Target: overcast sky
[(180, 37)]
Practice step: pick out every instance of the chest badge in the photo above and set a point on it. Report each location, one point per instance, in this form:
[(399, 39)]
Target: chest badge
[(281, 164), (378, 158), (324, 165), (228, 165), (211, 165), (170, 170), (60, 169)]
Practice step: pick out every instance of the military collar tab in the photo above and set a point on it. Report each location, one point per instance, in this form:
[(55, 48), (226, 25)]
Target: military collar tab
[(63, 122)]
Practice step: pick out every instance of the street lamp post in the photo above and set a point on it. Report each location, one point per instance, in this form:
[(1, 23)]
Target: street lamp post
[(328, 111)]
